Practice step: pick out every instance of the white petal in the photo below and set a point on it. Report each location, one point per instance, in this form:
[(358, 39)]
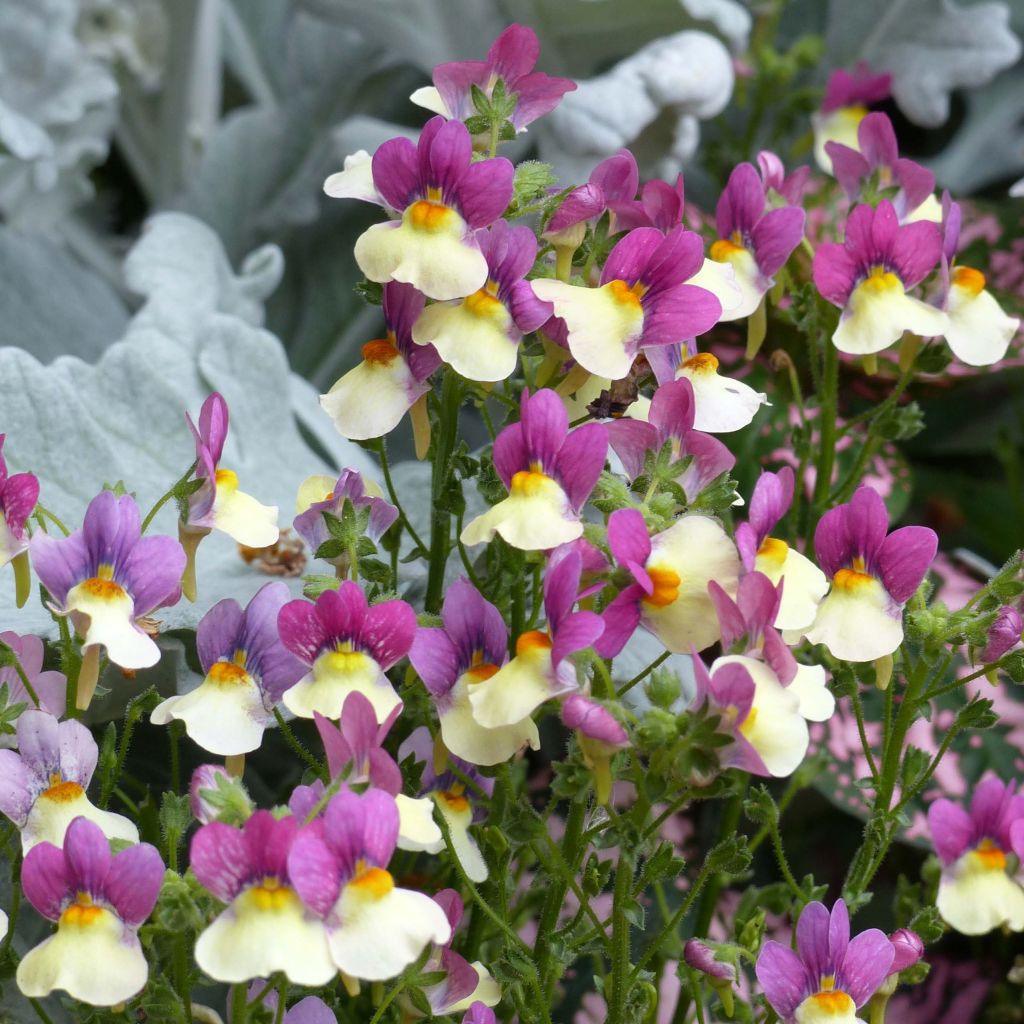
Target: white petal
[(805, 585), (100, 963), (514, 691), (52, 814), (487, 991), (534, 517), (430, 99), (312, 490), (603, 329), (930, 209), (976, 901), (858, 623), (877, 314), (371, 399), (838, 126), (721, 404), (334, 677), (720, 279), (979, 332), (458, 813), (417, 829), (107, 614), (265, 932), (465, 737), (355, 181), (827, 1008), (817, 702), (4, 923), (244, 519), (471, 336), (749, 283), (9, 544)]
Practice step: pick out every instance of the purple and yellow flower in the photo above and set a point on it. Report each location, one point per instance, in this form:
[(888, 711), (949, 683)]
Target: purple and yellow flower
[(600, 735), (375, 929), (247, 669), (49, 686), (670, 572), (267, 926), (977, 891), (643, 300), (830, 976), (847, 98), (873, 574), (549, 473), (98, 901), (44, 783), (868, 277), (541, 668), (805, 583), (392, 379), (754, 240), (479, 336), (443, 199), (18, 496), (510, 60), (452, 661), (348, 647)]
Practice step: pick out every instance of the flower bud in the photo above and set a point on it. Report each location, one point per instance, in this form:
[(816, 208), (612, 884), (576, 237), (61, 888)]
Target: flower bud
[(217, 796), (909, 949), (1003, 635), (701, 957)]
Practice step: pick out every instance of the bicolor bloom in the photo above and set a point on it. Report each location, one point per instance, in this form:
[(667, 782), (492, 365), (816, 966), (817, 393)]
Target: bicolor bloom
[(98, 901), (721, 404), (107, 576), (267, 925), (18, 496), (541, 668), (374, 928), (600, 736), (788, 187), (877, 156), (479, 336), (670, 572), (443, 199), (549, 473), (805, 583), (510, 60), (371, 399), (1003, 635), (847, 98), (611, 186), (670, 421), (348, 647), (216, 795), (976, 891), (830, 976), (44, 783), (872, 575), (247, 669), (643, 300), (49, 686), (754, 240), (322, 494), (453, 661), (868, 277)]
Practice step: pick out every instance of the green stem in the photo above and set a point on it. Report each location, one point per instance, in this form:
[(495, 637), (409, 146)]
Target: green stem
[(166, 497), (239, 1005), (858, 712), (282, 996), (441, 516), (620, 979), (16, 662), (40, 1012), (640, 676), (42, 512), (389, 484), (727, 827), (292, 740), (957, 683), (828, 403)]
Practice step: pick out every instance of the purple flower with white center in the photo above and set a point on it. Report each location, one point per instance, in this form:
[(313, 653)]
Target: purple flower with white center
[(106, 577), (99, 901), (611, 186), (50, 687), (847, 98), (247, 669), (320, 494), (1003, 635), (479, 336), (216, 795), (868, 276), (43, 784), (549, 473), (909, 949), (873, 574), (452, 661), (268, 924), (877, 154), (510, 60), (976, 891), (788, 187), (443, 199), (600, 736), (541, 668), (671, 572), (392, 379), (643, 300), (805, 583), (18, 496), (830, 975), (348, 647), (753, 240), (729, 690), (374, 928), (670, 421)]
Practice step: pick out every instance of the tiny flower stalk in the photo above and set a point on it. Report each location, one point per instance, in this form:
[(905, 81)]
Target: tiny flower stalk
[(600, 737)]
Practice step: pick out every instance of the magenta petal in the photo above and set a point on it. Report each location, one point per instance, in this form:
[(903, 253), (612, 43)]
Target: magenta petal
[(672, 408), (838, 933), (389, 630), (301, 630), (677, 259), (110, 529), (832, 540), (617, 176), (916, 251), (904, 560), (275, 668), (857, 88), (593, 720), (732, 686), (951, 217), (315, 872), (782, 977), (627, 537), (772, 497), (684, 311), (876, 139), (217, 632), (358, 725), (545, 424), (268, 840), (510, 453), (341, 612), (484, 191), (444, 158), (664, 360), (758, 599), (474, 624), (514, 53), (989, 803), (812, 940), (46, 880), (747, 542), (629, 258), (18, 497), (133, 883), (866, 965), (741, 203), (1017, 838), (152, 573), (730, 619), (575, 633), (621, 617), (866, 523), (479, 1013), (663, 204), (528, 312), (381, 826), (951, 828), (778, 656), (775, 237), (336, 747), (213, 425), (384, 773), (561, 587), (395, 174), (580, 204), (536, 95), (87, 855), (631, 440), (834, 272), (435, 659), (580, 461), (454, 82), (461, 980), (885, 230), (219, 857), (909, 949), (451, 903), (59, 564), (917, 182)]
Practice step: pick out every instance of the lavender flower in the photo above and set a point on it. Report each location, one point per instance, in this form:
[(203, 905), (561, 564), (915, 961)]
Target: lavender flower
[(1003, 635)]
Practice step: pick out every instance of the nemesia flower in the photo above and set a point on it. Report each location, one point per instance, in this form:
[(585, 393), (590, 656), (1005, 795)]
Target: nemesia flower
[(805, 583), (540, 668), (216, 795), (549, 473), (670, 420), (480, 1013), (976, 892), (44, 783), (268, 925), (98, 901), (789, 187), (348, 647), (374, 928), (510, 60), (106, 577), (1003, 635), (756, 242), (829, 976), (600, 735), (868, 276), (443, 199), (452, 661), (611, 186), (643, 300), (671, 572), (479, 336), (371, 399), (847, 98), (18, 496), (49, 686), (873, 575), (247, 670)]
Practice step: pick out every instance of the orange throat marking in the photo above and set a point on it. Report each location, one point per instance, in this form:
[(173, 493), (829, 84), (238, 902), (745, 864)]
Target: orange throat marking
[(380, 352), (627, 294), (702, 362), (666, 586)]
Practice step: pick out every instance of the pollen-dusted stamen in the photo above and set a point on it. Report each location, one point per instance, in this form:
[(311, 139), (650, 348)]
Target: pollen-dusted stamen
[(773, 550), (628, 294), (969, 279), (380, 352), (702, 362), (532, 641), (227, 673), (102, 585), (666, 586)]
